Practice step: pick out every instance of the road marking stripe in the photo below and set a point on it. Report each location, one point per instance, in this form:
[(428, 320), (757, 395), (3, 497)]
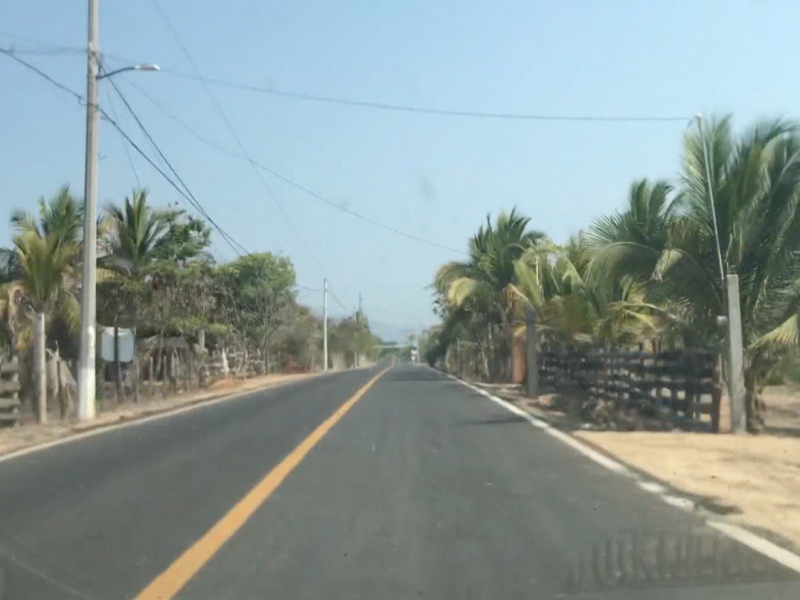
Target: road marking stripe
[(678, 501), (186, 566), (652, 487), (780, 555), (788, 559)]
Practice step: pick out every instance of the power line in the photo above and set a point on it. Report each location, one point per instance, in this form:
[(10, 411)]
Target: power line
[(234, 135), (81, 100), (384, 106), (287, 180), (48, 45), (442, 112), (113, 110), (336, 298), (194, 201)]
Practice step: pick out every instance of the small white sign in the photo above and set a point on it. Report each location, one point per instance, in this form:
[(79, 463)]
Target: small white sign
[(126, 344)]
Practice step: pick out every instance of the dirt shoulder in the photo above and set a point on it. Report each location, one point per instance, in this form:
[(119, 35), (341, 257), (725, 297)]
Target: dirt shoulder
[(754, 479), (23, 436), (751, 479)]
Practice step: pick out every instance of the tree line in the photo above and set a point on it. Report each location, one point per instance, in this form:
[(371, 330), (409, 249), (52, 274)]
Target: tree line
[(649, 273), (157, 277)]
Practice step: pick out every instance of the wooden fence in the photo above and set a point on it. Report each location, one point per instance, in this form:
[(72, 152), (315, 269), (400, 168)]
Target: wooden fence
[(9, 393), (678, 386)]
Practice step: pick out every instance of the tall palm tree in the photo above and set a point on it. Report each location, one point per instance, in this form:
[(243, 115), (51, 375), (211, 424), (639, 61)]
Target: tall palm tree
[(60, 217), (47, 279), (486, 278), (755, 178), (40, 271), (134, 232)]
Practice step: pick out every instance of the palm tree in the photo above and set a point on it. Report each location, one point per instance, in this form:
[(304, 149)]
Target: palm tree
[(135, 230), (46, 276), (486, 278), (756, 184), (41, 274), (554, 281), (60, 217)]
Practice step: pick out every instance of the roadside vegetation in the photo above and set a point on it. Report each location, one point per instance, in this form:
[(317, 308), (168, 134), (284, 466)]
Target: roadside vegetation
[(158, 278), (648, 274)]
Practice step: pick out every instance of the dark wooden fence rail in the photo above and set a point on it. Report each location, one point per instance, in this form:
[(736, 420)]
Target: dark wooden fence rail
[(9, 393), (676, 386)]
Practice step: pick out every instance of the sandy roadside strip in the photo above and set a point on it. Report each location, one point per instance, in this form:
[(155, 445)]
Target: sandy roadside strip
[(752, 480)]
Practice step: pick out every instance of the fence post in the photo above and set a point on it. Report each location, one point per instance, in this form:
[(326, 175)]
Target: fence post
[(531, 354)]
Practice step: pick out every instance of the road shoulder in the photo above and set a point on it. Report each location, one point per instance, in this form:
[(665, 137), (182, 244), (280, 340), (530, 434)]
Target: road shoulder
[(747, 484), (30, 437)]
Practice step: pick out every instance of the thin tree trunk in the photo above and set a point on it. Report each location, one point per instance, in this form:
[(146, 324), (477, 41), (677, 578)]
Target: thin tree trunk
[(60, 391), (135, 373), (492, 356), (163, 375), (117, 365), (152, 376), (39, 370)]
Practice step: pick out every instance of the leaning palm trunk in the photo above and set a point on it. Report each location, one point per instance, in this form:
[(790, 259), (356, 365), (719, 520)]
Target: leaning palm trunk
[(39, 367)]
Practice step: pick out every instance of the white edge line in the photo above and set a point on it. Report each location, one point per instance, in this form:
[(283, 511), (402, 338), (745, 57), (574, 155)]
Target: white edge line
[(101, 429), (678, 501), (784, 557), (570, 441), (652, 487), (788, 559)]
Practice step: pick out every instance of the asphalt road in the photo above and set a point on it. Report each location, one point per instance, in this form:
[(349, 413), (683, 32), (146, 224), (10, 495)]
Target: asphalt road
[(420, 489)]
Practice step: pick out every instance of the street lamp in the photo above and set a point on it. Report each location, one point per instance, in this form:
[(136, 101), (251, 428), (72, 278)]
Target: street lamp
[(142, 67), (86, 359)]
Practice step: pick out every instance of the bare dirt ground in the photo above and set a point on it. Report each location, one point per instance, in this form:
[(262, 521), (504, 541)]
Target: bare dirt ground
[(31, 434), (752, 479)]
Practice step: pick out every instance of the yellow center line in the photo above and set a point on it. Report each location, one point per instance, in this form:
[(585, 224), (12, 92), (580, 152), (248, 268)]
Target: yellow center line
[(178, 574)]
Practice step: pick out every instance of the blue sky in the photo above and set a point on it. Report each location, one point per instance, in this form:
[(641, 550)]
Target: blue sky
[(436, 177)]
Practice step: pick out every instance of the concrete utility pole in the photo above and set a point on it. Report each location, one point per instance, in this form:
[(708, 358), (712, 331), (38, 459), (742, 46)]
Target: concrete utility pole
[(730, 287), (86, 376), (86, 356), (325, 325), (736, 357), (531, 354)]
